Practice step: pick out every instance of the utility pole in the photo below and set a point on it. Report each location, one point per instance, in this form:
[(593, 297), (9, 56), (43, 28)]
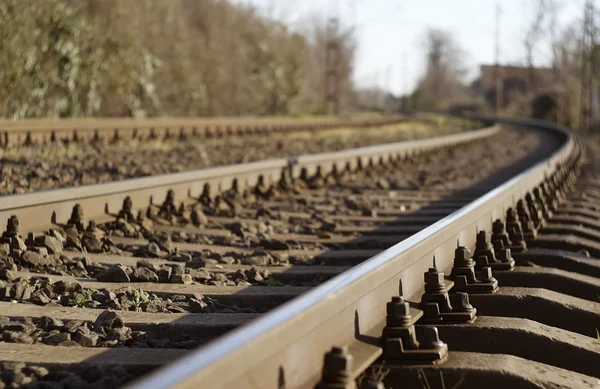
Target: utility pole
[(586, 80), (499, 76), (407, 100), (591, 64), (332, 60), (386, 87)]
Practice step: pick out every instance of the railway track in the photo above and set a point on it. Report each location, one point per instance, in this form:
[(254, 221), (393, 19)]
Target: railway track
[(267, 266), (32, 131)]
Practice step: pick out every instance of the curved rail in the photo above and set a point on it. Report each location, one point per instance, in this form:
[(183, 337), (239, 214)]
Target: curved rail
[(287, 344)]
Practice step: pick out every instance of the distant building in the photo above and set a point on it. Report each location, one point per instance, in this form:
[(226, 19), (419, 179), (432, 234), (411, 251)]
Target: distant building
[(521, 80)]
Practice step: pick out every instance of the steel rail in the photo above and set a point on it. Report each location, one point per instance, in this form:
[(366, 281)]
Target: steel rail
[(41, 130), (35, 209), (286, 345)]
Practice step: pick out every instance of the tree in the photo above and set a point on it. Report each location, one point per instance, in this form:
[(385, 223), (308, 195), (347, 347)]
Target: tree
[(443, 81)]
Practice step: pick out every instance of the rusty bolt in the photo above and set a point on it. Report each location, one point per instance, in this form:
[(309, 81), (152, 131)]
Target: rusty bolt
[(431, 338), (518, 240), (170, 199), (195, 218), (460, 302), (434, 280), (498, 227), (484, 248), (77, 213), (12, 226), (485, 275), (462, 257), (511, 215), (337, 369), (127, 204), (398, 312)]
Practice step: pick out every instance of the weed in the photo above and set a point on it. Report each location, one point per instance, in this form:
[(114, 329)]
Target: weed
[(80, 302), (271, 282), (425, 383), (375, 373)]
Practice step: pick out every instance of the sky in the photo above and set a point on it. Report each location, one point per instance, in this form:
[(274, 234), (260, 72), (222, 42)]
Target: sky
[(390, 32)]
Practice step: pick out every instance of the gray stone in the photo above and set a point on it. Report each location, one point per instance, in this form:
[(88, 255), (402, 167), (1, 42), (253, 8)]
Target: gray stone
[(51, 243), (92, 244), (369, 212), (198, 306), (116, 273), (88, 340), (6, 275), (143, 274), (237, 228), (228, 260), (7, 263), (200, 274), (275, 244), (69, 343), (26, 328), (38, 371), (109, 319), (58, 234), (74, 382), (126, 227), (73, 325), (40, 250), (74, 242), (198, 218), (182, 257), (61, 287), (21, 291), (253, 275), (263, 228), (16, 337), (4, 249), (108, 343), (281, 257), (176, 270), (164, 274), (328, 227), (49, 323), (17, 378), (182, 279), (154, 250), (256, 260), (122, 334), (56, 339), (383, 184), (17, 243), (84, 329), (33, 259), (147, 264)]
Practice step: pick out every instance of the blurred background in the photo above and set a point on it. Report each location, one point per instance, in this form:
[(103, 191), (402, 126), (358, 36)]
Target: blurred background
[(114, 58)]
